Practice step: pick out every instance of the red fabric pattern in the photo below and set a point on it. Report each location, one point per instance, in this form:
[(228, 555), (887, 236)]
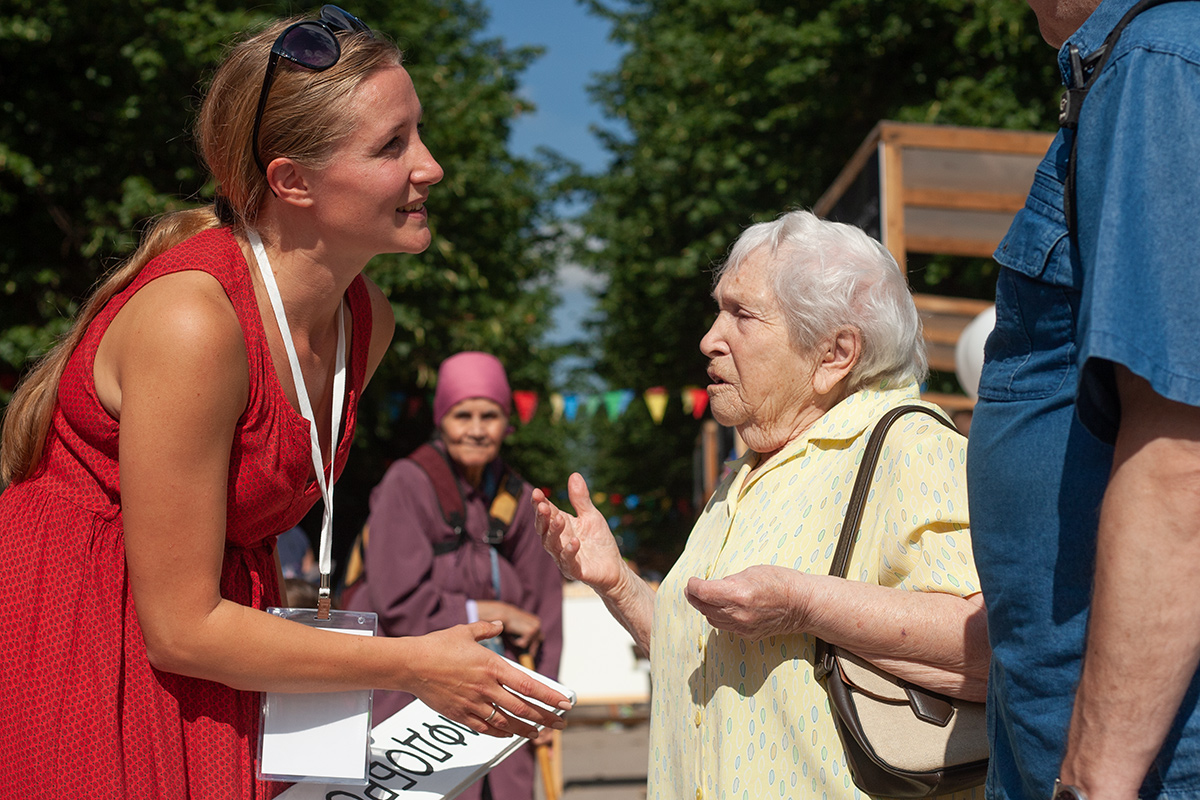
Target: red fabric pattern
[(83, 714)]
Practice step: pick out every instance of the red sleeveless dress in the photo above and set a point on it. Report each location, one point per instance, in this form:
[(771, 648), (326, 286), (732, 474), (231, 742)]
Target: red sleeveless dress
[(82, 712)]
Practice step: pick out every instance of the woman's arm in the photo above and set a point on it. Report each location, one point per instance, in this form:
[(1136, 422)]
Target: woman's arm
[(179, 361), (932, 639), (909, 625), (585, 550)]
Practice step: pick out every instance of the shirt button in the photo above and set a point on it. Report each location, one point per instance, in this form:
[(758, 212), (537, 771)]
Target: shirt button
[(699, 795), (697, 721)]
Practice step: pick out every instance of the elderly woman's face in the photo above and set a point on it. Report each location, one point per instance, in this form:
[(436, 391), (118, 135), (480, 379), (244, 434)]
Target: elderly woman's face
[(472, 431), (761, 384)]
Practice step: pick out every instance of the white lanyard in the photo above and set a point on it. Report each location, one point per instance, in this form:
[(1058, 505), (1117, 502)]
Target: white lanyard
[(339, 389)]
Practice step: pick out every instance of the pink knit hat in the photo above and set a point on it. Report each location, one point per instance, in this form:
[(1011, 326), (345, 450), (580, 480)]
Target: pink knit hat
[(470, 374)]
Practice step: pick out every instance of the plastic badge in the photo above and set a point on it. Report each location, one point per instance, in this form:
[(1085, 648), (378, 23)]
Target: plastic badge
[(321, 737)]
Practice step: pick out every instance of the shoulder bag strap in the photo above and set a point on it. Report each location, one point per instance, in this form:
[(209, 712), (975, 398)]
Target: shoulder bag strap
[(823, 657)]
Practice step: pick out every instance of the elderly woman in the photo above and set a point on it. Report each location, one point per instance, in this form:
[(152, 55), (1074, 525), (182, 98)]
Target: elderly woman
[(428, 566), (816, 337)]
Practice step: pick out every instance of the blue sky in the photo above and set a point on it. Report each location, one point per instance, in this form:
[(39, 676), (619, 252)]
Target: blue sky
[(576, 47)]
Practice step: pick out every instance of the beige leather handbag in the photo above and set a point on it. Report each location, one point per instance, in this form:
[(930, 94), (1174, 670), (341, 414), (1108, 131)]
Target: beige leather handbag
[(900, 740)]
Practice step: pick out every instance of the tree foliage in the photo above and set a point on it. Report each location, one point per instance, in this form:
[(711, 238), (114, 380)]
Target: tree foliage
[(737, 110), (97, 101)]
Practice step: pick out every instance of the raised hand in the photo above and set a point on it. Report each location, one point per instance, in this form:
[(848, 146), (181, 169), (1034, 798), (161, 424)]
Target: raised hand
[(582, 545)]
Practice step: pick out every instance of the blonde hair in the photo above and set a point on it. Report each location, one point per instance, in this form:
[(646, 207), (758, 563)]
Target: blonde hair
[(305, 118)]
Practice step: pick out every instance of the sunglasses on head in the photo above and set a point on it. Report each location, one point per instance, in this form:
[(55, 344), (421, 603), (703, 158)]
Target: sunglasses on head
[(311, 44)]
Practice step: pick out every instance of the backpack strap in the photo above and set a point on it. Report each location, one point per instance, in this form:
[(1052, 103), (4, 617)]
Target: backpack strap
[(436, 465), (1084, 72), (504, 506)]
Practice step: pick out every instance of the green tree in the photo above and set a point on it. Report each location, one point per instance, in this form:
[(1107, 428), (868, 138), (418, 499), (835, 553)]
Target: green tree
[(97, 101), (736, 110)]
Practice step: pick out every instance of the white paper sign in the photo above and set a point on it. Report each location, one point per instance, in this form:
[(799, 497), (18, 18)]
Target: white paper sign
[(418, 754)]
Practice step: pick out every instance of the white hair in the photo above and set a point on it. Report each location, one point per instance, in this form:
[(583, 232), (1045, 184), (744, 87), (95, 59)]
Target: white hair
[(828, 275)]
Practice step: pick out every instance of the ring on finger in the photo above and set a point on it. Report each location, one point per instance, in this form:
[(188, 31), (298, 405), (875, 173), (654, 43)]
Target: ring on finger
[(488, 718)]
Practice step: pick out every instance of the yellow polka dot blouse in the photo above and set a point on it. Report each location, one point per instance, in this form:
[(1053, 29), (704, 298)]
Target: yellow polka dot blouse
[(733, 718)]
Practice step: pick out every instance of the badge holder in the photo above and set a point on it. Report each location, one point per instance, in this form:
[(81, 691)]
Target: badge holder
[(320, 737)]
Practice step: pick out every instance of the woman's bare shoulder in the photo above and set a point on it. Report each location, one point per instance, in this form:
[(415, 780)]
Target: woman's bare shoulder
[(180, 329)]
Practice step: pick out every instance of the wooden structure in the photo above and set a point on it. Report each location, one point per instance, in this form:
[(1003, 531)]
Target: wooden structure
[(937, 189)]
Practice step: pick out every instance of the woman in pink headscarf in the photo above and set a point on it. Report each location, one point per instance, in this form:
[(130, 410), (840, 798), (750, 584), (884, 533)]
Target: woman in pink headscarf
[(450, 540)]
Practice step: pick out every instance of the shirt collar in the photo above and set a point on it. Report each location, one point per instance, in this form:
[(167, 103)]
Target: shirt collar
[(842, 423), (1092, 33)]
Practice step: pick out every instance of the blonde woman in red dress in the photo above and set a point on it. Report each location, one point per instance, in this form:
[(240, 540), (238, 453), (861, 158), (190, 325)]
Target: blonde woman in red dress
[(151, 458)]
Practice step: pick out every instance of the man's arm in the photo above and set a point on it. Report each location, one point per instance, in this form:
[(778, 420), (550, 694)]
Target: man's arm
[(1143, 641)]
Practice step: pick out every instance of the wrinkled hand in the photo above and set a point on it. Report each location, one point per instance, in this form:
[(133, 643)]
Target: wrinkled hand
[(755, 603), (479, 681), (523, 628), (582, 545)]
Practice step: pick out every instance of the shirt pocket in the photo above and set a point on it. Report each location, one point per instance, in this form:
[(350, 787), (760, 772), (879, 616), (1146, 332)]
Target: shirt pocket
[(1030, 354)]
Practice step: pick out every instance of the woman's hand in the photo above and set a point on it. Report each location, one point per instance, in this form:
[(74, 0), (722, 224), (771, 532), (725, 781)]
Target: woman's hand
[(468, 683), (523, 628), (582, 545), (755, 603)]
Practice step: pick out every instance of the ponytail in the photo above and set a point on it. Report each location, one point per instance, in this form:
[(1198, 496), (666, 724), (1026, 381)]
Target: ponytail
[(29, 415)]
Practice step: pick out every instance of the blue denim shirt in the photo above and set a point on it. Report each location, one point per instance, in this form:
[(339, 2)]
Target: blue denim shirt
[(1127, 292)]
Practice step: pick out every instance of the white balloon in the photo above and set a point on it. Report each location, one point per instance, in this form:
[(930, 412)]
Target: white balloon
[(968, 352)]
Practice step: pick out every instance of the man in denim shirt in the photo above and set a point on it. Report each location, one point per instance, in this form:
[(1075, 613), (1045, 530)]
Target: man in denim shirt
[(1085, 445)]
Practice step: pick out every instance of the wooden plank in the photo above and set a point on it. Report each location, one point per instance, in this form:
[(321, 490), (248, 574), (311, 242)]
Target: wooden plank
[(951, 246), (962, 200), (950, 402), (940, 356), (892, 202), (952, 137), (943, 304)]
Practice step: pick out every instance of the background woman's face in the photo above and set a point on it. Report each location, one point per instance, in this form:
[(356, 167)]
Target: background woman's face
[(473, 431)]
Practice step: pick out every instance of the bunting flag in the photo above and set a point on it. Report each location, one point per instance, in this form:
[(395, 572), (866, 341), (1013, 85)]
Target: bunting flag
[(616, 401), (399, 400), (592, 404), (699, 402), (656, 401), (413, 407), (526, 403), (694, 401)]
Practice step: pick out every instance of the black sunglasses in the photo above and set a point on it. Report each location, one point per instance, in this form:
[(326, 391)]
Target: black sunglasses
[(313, 45)]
